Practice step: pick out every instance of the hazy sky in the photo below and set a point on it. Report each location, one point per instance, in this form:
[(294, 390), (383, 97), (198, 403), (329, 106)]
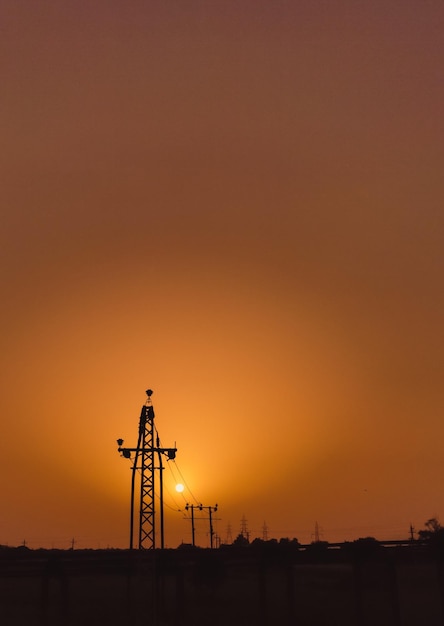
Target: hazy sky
[(240, 205)]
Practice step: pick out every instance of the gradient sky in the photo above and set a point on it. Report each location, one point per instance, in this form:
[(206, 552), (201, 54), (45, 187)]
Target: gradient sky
[(240, 205)]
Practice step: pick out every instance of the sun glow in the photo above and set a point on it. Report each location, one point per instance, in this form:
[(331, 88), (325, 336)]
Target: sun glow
[(179, 488)]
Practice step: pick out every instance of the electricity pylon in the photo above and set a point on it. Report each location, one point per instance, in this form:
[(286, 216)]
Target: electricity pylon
[(244, 530), (144, 460)]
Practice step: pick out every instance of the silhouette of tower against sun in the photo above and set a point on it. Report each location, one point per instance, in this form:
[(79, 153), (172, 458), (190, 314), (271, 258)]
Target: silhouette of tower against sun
[(144, 461)]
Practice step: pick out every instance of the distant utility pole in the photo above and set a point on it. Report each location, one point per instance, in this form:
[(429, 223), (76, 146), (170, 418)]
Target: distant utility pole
[(210, 510), (412, 532), (200, 507), (191, 507)]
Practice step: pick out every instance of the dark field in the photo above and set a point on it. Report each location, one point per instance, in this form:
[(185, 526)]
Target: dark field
[(224, 587)]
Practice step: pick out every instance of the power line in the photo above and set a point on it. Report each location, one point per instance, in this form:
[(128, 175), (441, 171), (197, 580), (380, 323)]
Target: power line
[(176, 482), (185, 483), (168, 505)]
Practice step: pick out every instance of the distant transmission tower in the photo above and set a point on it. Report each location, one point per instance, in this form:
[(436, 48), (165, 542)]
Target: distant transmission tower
[(265, 532), (144, 460), (317, 533), (229, 535), (244, 530)]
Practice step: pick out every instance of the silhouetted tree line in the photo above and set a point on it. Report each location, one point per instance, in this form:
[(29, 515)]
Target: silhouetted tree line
[(241, 540), (433, 533)]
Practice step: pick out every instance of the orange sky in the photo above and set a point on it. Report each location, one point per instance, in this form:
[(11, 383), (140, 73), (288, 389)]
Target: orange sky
[(239, 205)]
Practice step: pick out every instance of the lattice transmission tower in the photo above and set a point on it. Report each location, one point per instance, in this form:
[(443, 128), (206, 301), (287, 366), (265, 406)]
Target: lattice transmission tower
[(244, 528), (148, 446)]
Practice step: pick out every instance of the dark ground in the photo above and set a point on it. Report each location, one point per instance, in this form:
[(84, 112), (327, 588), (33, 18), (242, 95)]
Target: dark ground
[(269, 585)]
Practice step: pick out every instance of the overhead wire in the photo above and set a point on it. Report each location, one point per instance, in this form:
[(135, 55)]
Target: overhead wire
[(185, 483), (176, 510), (174, 462), (176, 482)]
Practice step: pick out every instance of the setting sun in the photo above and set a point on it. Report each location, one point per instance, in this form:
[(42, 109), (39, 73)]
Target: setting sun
[(238, 204)]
